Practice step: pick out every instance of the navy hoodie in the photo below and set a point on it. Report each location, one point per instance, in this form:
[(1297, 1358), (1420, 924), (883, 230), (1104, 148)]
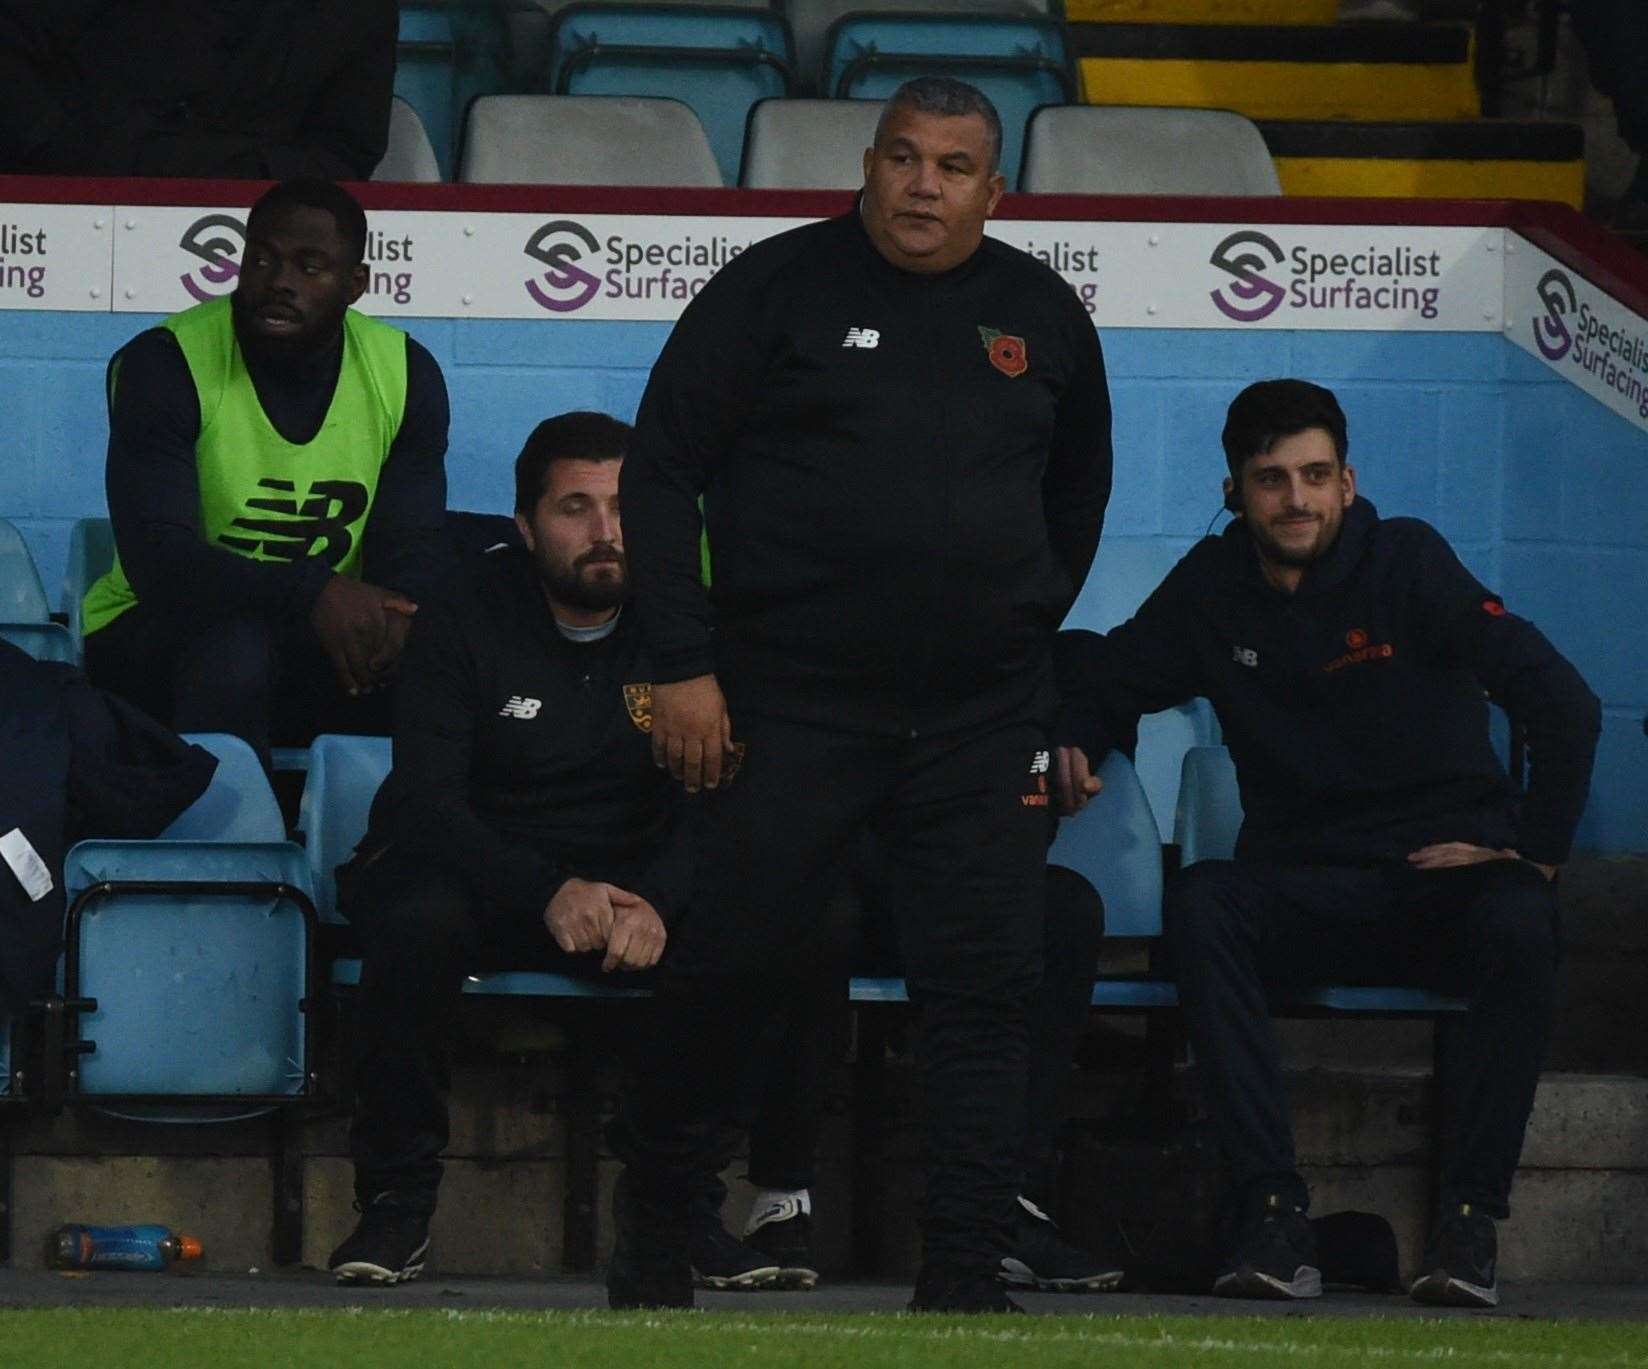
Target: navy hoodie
[(1355, 708)]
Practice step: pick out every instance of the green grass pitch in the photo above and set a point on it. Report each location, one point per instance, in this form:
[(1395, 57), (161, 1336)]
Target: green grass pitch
[(434, 1339)]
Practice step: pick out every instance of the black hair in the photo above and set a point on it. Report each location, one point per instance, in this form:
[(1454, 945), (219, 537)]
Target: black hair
[(311, 192), (1269, 410), (949, 99), (581, 435)]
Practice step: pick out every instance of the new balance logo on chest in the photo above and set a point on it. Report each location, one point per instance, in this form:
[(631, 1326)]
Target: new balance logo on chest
[(867, 338), (520, 707)]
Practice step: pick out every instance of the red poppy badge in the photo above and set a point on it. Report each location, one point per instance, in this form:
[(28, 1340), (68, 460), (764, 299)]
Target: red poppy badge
[(1006, 351)]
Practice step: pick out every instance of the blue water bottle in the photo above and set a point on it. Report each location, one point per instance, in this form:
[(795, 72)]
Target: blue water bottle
[(74, 1246)]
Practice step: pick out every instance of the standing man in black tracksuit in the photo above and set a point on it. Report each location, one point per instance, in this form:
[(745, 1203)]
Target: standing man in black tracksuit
[(1346, 657), (523, 825), (901, 434)]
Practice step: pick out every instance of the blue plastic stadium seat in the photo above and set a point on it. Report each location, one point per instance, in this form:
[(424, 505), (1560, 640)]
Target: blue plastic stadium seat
[(344, 775), (91, 554), (718, 60), (1209, 816), (448, 55), (1125, 572), (1020, 62), (43, 641), (195, 948), (22, 598), (1113, 844)]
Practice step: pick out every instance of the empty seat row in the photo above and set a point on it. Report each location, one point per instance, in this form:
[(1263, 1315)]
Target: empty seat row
[(721, 59), (793, 144)]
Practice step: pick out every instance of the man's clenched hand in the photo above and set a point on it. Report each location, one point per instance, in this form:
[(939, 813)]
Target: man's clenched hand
[(580, 916), (691, 732), (1074, 782), (1445, 855), (638, 933), (361, 629)]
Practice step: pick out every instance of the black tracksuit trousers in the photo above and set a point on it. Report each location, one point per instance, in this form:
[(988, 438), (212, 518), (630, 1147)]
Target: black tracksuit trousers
[(1487, 932), (422, 929), (266, 682), (962, 823), (789, 1105)]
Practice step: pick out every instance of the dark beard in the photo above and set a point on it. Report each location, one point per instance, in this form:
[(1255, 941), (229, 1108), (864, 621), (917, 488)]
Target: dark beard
[(566, 585)]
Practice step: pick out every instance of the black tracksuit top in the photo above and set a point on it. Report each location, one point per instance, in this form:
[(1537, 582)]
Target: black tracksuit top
[(904, 479), (518, 760), (1354, 707)]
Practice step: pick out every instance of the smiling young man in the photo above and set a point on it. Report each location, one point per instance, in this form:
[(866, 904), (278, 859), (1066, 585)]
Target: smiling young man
[(523, 825), (1346, 656), (277, 488), (900, 430)]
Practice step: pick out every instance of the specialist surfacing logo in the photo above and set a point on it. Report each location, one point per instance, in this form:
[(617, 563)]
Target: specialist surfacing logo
[(217, 241), (565, 287)]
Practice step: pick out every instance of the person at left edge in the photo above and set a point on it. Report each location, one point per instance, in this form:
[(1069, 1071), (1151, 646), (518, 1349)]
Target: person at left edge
[(277, 486)]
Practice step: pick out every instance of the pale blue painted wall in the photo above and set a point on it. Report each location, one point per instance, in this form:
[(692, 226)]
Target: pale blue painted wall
[(1543, 492)]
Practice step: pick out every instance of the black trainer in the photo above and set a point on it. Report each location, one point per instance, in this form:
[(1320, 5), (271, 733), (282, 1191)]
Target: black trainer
[(1275, 1254), (951, 1288), (784, 1234), (1459, 1261), (389, 1245), (1043, 1259), (650, 1266), (720, 1260)]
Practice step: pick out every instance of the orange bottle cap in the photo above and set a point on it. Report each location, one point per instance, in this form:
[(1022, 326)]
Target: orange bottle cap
[(189, 1248)]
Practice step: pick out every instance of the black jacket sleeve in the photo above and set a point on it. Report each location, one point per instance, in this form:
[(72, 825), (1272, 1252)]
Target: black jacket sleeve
[(666, 880), (154, 499), (700, 391), (1108, 681), (437, 705), (1460, 621), (33, 114), (1076, 488), (344, 130), (405, 547)]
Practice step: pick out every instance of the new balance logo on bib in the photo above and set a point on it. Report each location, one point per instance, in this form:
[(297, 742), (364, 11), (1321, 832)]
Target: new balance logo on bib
[(519, 707)]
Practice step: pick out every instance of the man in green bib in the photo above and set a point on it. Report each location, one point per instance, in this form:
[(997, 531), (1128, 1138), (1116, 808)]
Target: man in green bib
[(277, 487)]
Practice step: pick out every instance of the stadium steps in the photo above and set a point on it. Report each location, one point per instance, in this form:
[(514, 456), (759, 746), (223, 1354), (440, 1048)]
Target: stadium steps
[(1203, 11), (1457, 159), (1283, 71)]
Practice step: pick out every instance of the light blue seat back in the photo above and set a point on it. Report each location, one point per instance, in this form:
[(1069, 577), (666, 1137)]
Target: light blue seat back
[(1019, 63), (808, 144), (1210, 806), (1117, 150), (22, 597), (91, 553), (1113, 843), (586, 140), (811, 22), (1012, 38), (43, 641), (344, 775), (410, 156), (238, 805), (447, 56), (1125, 573), (198, 992), (719, 61)]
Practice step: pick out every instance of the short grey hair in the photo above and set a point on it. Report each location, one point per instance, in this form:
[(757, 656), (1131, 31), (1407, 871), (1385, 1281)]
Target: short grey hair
[(949, 99)]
